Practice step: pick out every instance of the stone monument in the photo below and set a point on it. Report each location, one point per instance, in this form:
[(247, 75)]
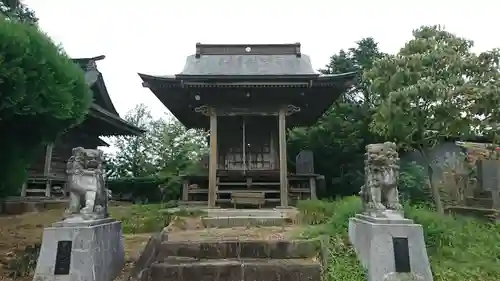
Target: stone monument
[(87, 245), (389, 246)]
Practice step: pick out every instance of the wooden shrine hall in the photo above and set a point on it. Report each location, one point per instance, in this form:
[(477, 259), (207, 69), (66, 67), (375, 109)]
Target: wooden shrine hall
[(247, 96), (48, 173)]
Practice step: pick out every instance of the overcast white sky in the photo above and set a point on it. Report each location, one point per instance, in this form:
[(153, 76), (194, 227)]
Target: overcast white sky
[(155, 36)]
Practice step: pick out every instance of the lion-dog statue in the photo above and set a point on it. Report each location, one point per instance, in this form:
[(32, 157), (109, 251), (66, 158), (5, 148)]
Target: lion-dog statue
[(380, 191), (86, 184)]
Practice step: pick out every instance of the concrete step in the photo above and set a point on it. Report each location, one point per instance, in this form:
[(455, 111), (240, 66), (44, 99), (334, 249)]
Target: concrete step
[(245, 212), (235, 270), (479, 202), (243, 249), (235, 221)]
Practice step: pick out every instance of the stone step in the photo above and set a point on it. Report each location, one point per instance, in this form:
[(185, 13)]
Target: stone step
[(246, 212), (235, 270), (243, 249), (235, 221), (479, 202)]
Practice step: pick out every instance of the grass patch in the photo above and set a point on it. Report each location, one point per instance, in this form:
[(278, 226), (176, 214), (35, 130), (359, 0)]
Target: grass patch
[(149, 218), (459, 248), (141, 218)]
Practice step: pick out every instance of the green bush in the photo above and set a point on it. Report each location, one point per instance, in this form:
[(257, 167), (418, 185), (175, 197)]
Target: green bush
[(413, 185), (459, 248), (146, 189), (42, 94)]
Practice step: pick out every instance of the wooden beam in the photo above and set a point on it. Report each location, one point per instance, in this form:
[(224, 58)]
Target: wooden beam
[(212, 166), (283, 158)]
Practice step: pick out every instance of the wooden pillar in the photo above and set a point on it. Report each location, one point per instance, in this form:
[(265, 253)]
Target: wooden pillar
[(46, 169), (185, 190), (212, 166), (283, 158), (23, 189), (312, 186)]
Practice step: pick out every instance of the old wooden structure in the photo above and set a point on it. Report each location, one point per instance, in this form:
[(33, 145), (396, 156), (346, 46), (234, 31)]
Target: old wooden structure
[(48, 173), (247, 96)]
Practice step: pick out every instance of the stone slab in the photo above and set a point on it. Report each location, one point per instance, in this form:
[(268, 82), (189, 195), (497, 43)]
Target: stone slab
[(373, 243), (240, 249), (96, 252), (235, 221), (237, 270), (384, 220), (79, 222)]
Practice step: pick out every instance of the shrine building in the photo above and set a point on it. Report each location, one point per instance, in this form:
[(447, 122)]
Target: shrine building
[(247, 96)]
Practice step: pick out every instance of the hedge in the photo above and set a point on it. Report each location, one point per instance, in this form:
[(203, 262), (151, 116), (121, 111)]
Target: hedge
[(42, 94), (145, 189)]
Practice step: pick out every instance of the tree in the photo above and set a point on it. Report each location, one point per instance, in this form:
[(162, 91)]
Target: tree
[(166, 149), (14, 9), (434, 88), (341, 135), (176, 148), (134, 157), (42, 94)]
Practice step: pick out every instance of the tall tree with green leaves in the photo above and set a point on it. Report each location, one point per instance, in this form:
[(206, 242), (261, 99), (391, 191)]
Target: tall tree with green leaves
[(176, 148), (435, 87), (338, 139), (134, 157), (166, 149)]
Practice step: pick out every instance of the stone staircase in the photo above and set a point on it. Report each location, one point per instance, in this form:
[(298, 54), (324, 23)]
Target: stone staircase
[(244, 260)]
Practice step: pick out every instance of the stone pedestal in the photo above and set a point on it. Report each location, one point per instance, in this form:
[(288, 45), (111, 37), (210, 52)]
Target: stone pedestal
[(390, 248), (79, 250)]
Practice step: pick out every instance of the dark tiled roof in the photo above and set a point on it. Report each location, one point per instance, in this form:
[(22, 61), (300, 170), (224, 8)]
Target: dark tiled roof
[(248, 65), (102, 106)]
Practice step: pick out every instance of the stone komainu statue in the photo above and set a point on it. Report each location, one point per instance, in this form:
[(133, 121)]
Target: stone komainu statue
[(380, 191), (86, 183)]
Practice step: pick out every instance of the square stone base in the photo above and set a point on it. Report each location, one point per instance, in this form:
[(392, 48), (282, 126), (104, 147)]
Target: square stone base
[(81, 251), (372, 239)]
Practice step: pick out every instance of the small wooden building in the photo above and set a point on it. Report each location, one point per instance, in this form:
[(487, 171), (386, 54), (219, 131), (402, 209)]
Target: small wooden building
[(49, 169), (248, 96)]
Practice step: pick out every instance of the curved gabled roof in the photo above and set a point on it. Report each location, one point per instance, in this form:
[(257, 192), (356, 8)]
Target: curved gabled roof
[(255, 69), (102, 107), (248, 65)]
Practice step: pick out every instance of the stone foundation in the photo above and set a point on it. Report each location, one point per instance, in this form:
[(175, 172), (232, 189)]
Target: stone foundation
[(373, 240), (86, 251)]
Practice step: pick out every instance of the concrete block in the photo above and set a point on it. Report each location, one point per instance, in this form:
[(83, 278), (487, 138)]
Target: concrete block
[(83, 251), (373, 241)]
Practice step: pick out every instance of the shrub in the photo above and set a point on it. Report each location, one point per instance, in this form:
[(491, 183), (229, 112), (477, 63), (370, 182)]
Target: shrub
[(459, 248), (146, 189), (413, 186), (42, 94)]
